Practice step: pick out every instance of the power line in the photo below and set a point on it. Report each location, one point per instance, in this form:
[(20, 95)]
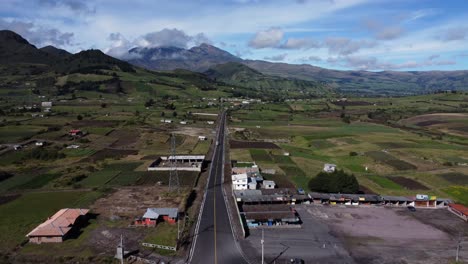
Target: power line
[(173, 176)]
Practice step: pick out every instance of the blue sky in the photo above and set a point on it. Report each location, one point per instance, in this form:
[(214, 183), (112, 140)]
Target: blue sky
[(339, 34)]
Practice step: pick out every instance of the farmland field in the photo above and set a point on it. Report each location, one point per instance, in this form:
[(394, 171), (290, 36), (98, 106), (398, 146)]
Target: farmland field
[(403, 155), (31, 209)]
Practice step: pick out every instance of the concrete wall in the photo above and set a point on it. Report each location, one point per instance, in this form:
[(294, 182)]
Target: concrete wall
[(39, 240)]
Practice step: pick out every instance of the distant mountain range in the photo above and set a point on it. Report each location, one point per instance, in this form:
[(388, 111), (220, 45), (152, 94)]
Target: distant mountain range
[(199, 58), (17, 52), (385, 83), (221, 66), (20, 60)]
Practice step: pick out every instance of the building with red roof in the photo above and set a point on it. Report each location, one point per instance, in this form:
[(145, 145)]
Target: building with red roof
[(459, 210), (56, 228)]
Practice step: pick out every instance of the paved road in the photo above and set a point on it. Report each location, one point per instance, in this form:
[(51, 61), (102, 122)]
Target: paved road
[(214, 241)]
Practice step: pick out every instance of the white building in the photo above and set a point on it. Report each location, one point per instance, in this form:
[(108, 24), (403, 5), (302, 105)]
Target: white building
[(252, 183), (202, 138), (268, 185), (46, 104), (210, 122), (329, 167), (40, 143), (240, 181), (183, 122)]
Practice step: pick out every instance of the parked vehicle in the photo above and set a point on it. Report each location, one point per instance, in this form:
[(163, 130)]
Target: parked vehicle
[(411, 208)]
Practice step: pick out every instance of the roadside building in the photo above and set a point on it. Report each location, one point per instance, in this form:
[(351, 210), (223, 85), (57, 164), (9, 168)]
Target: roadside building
[(40, 143), (75, 133), (202, 138), (210, 122), (459, 210), (268, 184), (58, 227), (252, 184), (182, 162), (17, 147), (271, 215), (239, 181), (153, 216), (329, 168), (46, 104)]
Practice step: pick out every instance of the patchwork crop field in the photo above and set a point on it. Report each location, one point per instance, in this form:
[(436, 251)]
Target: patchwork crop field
[(408, 153)]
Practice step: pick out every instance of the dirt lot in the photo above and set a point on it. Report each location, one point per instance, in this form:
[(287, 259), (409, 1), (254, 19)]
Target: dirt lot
[(332, 234), (408, 183), (124, 138), (94, 123), (109, 153), (130, 202), (394, 235), (252, 144)]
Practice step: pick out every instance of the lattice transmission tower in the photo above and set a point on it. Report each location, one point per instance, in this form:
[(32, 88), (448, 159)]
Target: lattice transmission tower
[(173, 176)]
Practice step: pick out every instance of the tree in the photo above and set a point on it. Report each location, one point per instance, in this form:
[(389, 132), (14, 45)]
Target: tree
[(103, 105), (163, 114), (335, 182), (79, 117), (174, 114), (149, 103)]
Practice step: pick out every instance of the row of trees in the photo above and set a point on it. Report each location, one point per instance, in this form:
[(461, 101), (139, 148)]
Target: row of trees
[(335, 182)]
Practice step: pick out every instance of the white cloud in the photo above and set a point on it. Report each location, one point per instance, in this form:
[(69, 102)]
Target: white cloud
[(267, 38), (300, 43), (279, 57)]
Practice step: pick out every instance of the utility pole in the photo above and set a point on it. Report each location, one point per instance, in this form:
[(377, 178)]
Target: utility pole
[(262, 242), (123, 251), (458, 246)]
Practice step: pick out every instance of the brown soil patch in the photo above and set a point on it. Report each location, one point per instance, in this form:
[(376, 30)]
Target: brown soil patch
[(252, 144), (408, 183), (109, 153), (363, 189), (94, 123), (352, 103), (124, 137), (131, 202)]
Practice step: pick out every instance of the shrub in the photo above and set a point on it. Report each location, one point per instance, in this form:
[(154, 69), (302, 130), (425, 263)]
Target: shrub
[(352, 154)]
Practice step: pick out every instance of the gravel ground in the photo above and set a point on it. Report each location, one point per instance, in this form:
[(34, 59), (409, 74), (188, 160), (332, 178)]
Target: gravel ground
[(333, 234)]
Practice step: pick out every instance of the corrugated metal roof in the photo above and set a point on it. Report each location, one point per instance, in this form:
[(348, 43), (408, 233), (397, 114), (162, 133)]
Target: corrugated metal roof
[(154, 213)]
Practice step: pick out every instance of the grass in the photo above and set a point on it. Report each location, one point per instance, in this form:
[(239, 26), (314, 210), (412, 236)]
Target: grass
[(79, 152), (384, 182), (164, 234), (38, 181), (460, 193), (202, 147), (260, 155), (296, 175), (99, 178), (455, 178), (26, 212), (14, 134), (12, 157)]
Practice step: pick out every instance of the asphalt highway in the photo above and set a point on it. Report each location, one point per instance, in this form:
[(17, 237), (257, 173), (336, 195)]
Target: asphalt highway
[(214, 241)]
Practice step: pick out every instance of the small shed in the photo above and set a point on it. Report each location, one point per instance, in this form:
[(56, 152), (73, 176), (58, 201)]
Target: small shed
[(329, 167), (269, 184), (75, 132), (155, 215)]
